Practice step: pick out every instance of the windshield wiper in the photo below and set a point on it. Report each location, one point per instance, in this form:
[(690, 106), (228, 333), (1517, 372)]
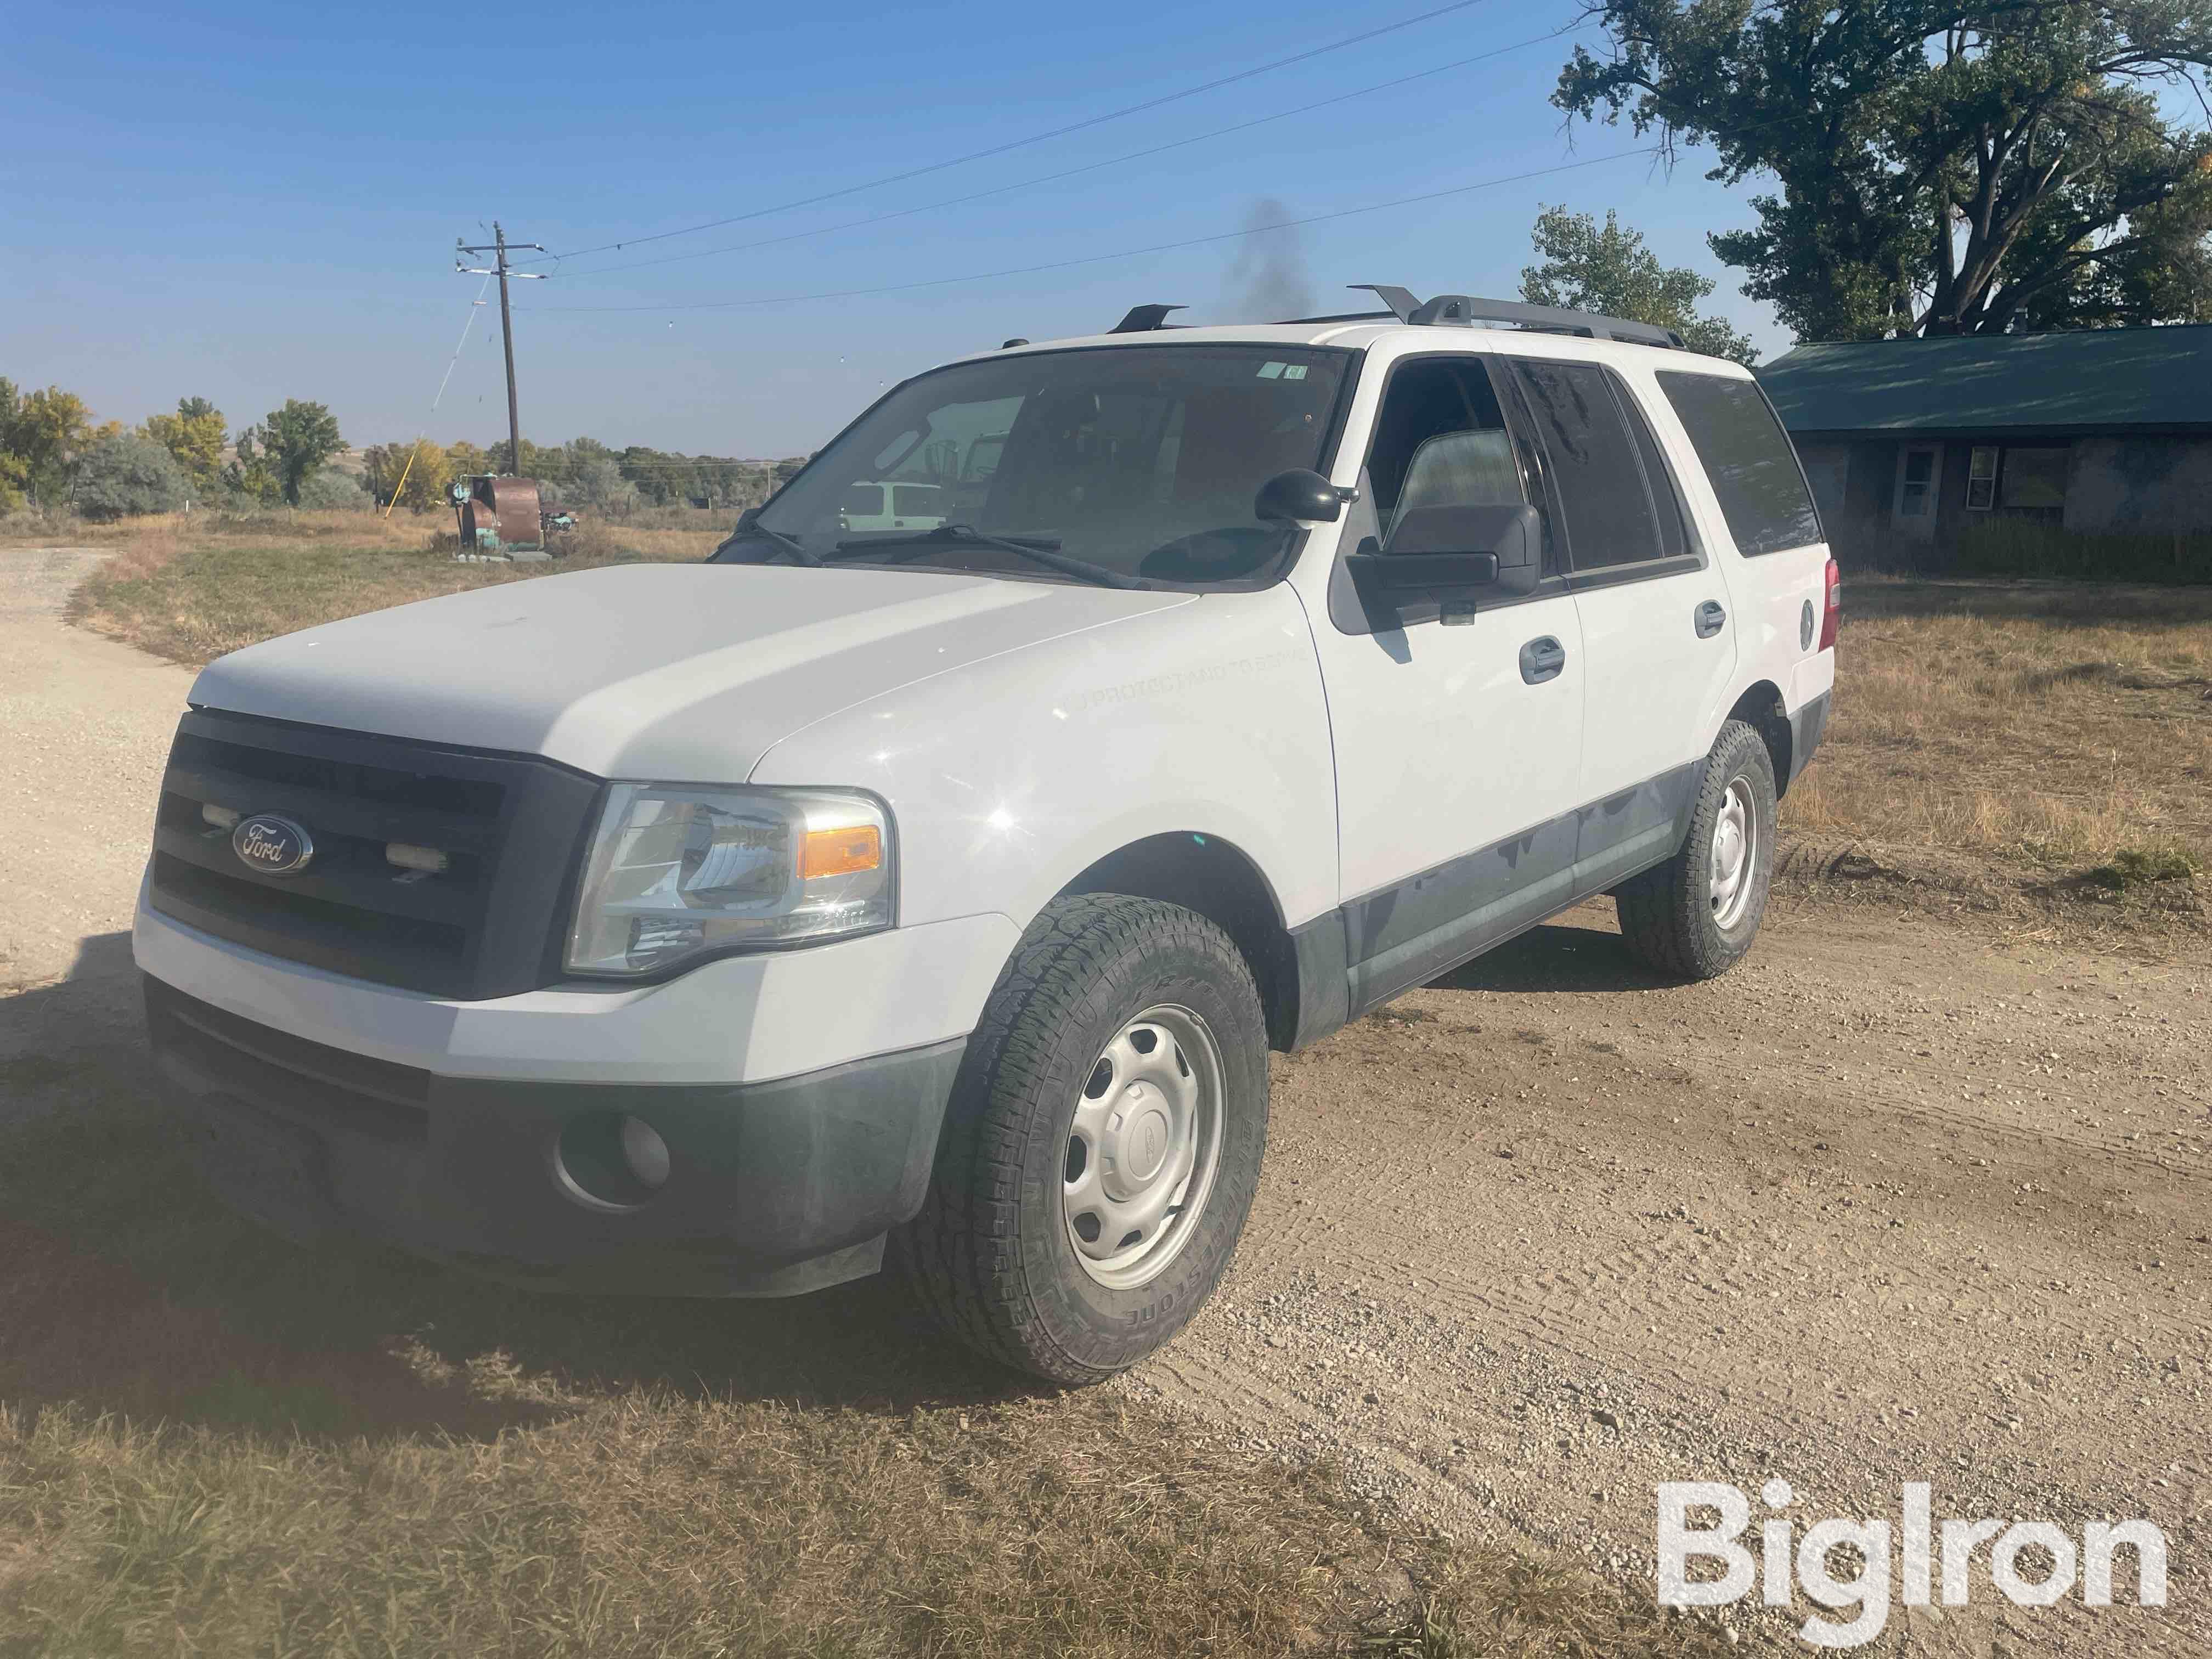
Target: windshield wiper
[(1044, 550), (783, 542)]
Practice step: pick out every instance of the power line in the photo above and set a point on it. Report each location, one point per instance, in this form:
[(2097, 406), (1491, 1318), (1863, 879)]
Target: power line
[(1036, 139), (1089, 167), (1130, 252)]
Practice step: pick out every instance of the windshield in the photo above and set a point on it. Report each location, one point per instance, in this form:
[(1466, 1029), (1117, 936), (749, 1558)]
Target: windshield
[(1141, 461)]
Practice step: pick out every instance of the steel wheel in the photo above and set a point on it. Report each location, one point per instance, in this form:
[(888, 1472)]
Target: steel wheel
[(1735, 849), (1144, 1147)]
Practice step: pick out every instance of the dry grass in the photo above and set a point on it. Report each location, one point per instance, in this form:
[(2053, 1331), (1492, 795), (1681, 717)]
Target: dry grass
[(208, 1445), (2062, 726), (191, 589)]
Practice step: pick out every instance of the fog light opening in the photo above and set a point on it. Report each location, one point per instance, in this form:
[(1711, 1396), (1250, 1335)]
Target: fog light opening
[(611, 1161)]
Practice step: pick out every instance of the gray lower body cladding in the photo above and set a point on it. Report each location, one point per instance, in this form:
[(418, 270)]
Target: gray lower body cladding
[(773, 1187), (1807, 727), (1408, 933)]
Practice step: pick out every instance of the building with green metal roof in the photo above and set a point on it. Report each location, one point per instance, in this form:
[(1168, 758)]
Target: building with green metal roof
[(1910, 442)]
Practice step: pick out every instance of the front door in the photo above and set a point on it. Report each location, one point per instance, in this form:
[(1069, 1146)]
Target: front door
[(1458, 739), (1919, 476)]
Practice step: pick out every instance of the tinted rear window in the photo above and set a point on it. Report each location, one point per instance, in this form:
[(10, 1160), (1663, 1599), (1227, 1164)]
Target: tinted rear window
[(1599, 475), (1748, 457)]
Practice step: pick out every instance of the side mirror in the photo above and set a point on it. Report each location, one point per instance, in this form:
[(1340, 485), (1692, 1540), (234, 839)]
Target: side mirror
[(745, 519), (1300, 494), (1439, 553)]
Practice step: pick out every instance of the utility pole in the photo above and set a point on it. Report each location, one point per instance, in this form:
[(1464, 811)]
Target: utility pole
[(501, 246)]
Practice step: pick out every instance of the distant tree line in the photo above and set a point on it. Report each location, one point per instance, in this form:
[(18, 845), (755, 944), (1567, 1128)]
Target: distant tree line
[(52, 455), (583, 473)]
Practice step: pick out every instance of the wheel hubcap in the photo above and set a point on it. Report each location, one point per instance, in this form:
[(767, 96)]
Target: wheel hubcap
[(1735, 835), (1144, 1146)]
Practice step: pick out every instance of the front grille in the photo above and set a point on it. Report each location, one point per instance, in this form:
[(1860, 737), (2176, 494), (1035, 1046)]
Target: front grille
[(307, 1081), (511, 828)]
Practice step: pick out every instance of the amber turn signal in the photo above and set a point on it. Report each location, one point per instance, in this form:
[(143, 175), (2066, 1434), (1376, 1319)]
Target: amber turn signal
[(841, 851)]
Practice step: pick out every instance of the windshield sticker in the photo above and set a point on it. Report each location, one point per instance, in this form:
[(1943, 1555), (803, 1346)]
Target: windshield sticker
[(1294, 371), (1273, 371)]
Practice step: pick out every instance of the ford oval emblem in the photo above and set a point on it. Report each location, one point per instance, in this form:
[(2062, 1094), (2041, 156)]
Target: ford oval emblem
[(271, 845)]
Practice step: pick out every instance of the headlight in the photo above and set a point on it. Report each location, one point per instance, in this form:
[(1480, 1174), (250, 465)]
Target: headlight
[(676, 872)]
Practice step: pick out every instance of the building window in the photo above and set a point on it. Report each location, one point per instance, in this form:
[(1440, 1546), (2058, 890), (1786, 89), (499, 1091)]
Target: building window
[(1982, 481), (1915, 492), (2033, 478)]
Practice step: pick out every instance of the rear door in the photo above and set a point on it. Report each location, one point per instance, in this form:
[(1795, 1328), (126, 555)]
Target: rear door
[(1658, 638)]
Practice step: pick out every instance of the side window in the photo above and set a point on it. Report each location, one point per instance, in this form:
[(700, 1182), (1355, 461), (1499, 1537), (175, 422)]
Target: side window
[(1674, 535), (1748, 457), (1596, 466), (1440, 439)]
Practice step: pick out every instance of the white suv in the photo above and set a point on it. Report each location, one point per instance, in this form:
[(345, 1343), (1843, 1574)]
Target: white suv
[(718, 929)]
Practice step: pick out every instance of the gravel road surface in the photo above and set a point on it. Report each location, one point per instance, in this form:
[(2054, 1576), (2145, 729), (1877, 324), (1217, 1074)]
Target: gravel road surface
[(1893, 1202), (84, 727)]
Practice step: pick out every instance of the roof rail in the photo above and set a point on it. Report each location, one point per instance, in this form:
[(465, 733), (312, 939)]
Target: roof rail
[(1465, 310), (1143, 319)]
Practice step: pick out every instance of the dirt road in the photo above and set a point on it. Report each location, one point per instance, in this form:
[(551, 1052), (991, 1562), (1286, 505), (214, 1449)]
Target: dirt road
[(84, 725), (1887, 1204), (1893, 1202)]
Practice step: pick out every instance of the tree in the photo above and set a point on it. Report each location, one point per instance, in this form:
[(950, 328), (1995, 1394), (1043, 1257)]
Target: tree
[(465, 460), (289, 445), (423, 484), (194, 436), (333, 488), (44, 435), (14, 474), (1945, 167), (250, 475), (1611, 270), (123, 475)]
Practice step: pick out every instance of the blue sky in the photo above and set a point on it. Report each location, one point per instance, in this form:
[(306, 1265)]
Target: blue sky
[(255, 203)]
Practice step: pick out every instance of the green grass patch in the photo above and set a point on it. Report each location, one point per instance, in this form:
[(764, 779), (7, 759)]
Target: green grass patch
[(2141, 867)]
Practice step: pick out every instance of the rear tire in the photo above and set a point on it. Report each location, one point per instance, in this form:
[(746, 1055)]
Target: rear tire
[(1695, 915), (1103, 1143)]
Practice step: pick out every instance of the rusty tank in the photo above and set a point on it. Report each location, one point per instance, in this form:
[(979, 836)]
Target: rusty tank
[(499, 515)]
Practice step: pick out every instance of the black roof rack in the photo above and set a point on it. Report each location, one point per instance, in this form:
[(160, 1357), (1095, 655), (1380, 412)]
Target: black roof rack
[(1465, 310)]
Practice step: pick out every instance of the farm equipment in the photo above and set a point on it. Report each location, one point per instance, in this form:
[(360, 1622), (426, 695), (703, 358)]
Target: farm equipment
[(499, 518)]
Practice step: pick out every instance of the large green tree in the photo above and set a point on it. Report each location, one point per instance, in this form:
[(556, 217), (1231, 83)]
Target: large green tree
[(1944, 168), (288, 447), (1606, 269)]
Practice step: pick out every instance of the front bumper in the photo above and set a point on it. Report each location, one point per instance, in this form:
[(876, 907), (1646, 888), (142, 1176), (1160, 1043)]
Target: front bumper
[(773, 1189)]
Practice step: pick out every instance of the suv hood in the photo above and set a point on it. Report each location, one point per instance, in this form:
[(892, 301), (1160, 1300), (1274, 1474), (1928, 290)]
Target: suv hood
[(671, 672)]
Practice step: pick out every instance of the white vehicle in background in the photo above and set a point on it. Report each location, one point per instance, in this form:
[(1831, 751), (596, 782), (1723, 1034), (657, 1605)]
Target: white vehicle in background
[(923, 883), (892, 505)]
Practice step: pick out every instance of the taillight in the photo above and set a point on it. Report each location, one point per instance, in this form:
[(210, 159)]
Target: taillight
[(1831, 613)]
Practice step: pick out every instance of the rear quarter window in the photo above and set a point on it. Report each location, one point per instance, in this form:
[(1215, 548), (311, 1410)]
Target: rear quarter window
[(1748, 457)]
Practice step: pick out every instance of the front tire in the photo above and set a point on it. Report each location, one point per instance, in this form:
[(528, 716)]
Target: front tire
[(1103, 1143), (1695, 915)]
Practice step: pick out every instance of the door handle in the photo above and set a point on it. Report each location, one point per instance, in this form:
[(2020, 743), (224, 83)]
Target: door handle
[(1711, 618), (1542, 660)]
